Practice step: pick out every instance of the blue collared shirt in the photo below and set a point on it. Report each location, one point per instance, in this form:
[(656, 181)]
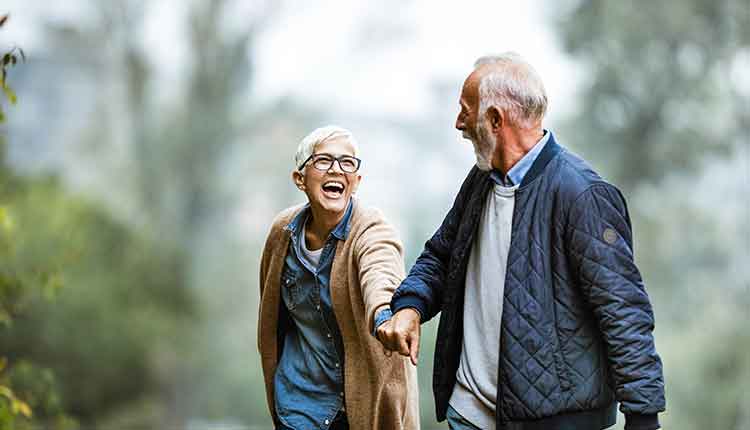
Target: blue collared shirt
[(309, 380), (516, 173)]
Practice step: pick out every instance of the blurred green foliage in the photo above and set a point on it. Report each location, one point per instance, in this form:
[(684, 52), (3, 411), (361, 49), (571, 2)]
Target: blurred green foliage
[(14, 286), (95, 309), (90, 310), (121, 304), (8, 59)]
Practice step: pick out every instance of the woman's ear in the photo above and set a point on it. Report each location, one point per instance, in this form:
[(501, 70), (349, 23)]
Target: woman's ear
[(299, 179), (355, 183)]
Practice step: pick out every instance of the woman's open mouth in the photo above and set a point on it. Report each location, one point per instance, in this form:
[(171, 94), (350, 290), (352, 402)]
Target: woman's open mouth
[(333, 189)]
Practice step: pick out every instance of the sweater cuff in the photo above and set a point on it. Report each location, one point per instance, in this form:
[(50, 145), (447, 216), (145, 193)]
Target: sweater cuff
[(641, 422), (404, 302)]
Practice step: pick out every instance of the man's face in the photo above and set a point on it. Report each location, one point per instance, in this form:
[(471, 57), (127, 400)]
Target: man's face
[(472, 126), (330, 189)]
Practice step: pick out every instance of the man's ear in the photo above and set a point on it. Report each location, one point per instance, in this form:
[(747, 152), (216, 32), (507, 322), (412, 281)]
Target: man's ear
[(299, 179), (495, 118)]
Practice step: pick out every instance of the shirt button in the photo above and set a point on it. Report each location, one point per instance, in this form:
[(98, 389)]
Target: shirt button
[(317, 307), (327, 422), (329, 335), (337, 365), (341, 394)]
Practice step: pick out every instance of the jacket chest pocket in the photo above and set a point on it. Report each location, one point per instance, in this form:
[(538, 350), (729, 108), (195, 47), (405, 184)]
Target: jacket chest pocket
[(291, 290)]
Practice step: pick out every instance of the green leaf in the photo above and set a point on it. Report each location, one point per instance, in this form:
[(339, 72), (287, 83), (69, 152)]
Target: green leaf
[(10, 94), (6, 222), (6, 392), (5, 319), (52, 286), (21, 407)]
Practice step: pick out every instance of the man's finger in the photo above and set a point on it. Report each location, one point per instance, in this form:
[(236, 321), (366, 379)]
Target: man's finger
[(403, 346), (414, 347), (387, 351), (380, 334), (385, 336)]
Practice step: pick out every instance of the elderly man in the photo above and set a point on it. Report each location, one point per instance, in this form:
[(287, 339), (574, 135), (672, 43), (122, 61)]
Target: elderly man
[(545, 322)]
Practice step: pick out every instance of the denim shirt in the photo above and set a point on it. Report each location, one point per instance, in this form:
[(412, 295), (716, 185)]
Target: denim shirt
[(309, 380)]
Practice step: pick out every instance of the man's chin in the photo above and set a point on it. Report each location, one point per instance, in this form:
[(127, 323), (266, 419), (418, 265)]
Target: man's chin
[(482, 163), (485, 167)]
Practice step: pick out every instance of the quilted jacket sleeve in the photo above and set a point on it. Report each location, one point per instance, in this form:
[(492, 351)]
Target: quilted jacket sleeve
[(422, 288), (600, 248)]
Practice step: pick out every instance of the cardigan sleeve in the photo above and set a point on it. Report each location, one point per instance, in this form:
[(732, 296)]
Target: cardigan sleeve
[(380, 261)]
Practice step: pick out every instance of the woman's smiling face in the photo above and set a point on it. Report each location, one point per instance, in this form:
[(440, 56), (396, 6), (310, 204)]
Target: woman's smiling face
[(331, 189)]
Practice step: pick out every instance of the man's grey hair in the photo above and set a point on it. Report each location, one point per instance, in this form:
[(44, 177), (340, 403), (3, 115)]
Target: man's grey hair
[(513, 86), (307, 146)]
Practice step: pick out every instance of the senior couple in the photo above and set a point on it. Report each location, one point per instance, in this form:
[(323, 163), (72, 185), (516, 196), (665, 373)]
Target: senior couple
[(545, 322)]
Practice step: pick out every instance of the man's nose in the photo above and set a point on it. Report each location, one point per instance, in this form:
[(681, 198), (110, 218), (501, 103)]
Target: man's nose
[(460, 126)]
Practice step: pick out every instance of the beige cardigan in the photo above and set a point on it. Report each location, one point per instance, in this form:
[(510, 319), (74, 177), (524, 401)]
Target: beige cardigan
[(380, 392)]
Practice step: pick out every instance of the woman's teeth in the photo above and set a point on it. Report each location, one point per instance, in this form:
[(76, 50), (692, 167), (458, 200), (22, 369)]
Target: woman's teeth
[(333, 187)]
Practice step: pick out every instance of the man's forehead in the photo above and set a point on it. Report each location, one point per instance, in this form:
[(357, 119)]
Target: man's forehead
[(470, 90)]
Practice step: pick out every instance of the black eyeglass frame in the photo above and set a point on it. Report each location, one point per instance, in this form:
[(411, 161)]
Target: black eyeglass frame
[(333, 160)]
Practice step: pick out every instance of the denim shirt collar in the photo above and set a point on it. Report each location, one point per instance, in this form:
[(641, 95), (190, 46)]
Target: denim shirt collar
[(516, 173), (340, 232)]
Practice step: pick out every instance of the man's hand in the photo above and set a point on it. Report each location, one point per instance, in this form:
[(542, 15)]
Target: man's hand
[(401, 334)]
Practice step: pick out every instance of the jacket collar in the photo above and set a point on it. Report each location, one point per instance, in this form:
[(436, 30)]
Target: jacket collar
[(551, 148)]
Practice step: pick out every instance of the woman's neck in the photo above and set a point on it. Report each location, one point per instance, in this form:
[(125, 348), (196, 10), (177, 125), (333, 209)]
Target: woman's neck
[(319, 226)]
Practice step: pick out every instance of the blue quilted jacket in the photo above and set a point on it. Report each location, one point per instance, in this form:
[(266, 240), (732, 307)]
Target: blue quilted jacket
[(577, 323)]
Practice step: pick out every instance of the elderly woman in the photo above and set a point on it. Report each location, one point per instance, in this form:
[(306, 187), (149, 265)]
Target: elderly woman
[(328, 271)]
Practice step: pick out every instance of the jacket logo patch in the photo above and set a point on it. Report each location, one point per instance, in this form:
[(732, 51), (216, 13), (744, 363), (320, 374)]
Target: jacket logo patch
[(610, 236)]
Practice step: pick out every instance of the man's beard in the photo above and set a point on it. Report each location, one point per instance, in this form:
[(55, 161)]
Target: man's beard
[(484, 147)]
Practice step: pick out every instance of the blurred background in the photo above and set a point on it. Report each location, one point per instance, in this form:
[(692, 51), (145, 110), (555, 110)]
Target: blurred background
[(152, 143)]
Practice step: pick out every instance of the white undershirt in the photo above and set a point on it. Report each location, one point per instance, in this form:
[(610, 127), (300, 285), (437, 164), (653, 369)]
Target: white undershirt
[(313, 257)]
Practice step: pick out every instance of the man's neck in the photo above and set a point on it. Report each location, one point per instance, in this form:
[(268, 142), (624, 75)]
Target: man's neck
[(517, 144)]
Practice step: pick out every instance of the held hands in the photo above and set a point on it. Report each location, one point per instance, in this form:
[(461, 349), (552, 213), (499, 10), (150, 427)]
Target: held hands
[(401, 334)]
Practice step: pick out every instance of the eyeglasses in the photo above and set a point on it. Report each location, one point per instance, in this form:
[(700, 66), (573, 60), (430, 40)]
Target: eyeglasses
[(324, 162)]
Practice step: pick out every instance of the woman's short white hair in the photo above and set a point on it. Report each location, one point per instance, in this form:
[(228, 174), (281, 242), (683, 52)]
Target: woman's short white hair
[(307, 146), (514, 86)]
